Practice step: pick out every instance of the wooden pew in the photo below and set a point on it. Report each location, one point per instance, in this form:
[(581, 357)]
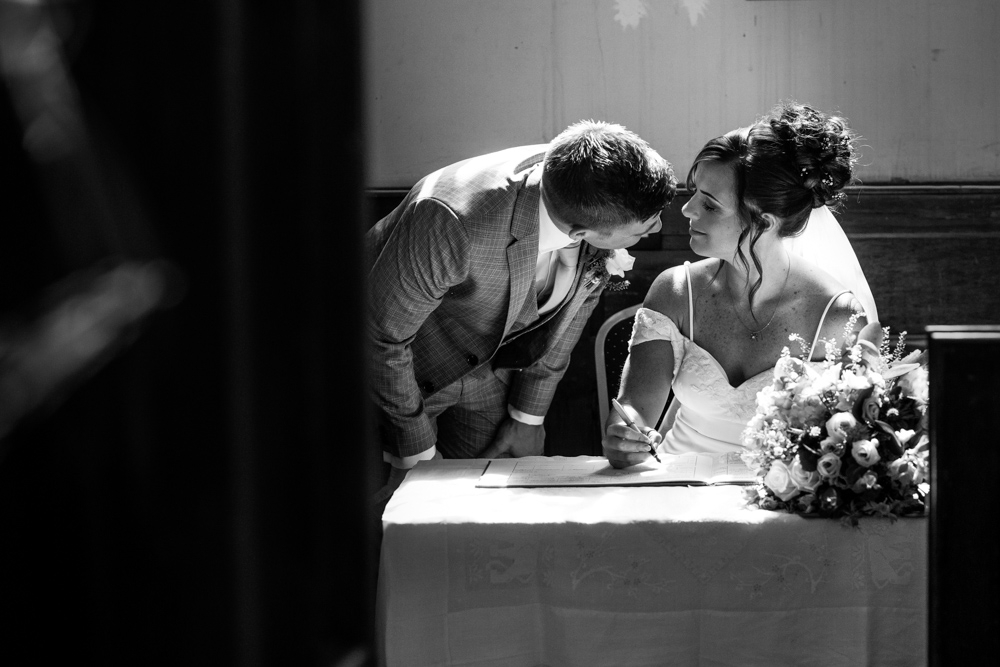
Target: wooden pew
[(964, 541)]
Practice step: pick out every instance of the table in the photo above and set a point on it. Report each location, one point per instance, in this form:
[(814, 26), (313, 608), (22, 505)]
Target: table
[(638, 576)]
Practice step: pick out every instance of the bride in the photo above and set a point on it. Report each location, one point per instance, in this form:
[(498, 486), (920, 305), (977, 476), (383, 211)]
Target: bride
[(712, 331)]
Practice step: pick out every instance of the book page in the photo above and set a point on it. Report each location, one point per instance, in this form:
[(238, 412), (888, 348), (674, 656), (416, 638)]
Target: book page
[(729, 468), (592, 471)]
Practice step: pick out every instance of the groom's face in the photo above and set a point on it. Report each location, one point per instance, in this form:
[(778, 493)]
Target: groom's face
[(621, 236), (624, 236), (713, 223)]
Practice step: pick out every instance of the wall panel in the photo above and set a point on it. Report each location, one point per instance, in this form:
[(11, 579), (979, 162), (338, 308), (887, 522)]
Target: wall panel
[(449, 79)]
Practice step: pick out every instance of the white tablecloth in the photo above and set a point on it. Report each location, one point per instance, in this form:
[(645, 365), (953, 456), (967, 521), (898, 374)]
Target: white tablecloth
[(639, 576)]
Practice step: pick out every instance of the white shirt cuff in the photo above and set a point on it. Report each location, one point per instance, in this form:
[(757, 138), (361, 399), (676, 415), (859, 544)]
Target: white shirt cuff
[(407, 462), (524, 417)]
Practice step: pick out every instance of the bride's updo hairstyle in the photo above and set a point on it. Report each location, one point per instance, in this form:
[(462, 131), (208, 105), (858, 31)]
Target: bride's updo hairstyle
[(789, 162)]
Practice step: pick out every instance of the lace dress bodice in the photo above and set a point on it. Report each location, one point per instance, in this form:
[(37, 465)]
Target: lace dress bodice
[(710, 414)]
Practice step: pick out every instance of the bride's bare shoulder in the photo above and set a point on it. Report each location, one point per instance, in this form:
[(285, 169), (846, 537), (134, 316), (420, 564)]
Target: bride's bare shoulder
[(669, 292), (818, 289), (815, 280)]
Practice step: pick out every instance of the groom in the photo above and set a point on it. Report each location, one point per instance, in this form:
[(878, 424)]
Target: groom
[(482, 280)]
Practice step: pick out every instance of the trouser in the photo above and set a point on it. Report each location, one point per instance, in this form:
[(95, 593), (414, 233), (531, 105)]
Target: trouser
[(467, 413)]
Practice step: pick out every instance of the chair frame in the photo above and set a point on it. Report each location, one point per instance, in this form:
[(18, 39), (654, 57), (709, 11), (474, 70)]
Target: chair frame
[(603, 400)]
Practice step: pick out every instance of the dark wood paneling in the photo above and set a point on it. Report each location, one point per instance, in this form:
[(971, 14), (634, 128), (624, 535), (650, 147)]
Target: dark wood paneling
[(929, 254), (379, 203)]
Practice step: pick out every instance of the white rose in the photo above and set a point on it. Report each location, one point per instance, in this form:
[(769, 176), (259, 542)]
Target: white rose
[(865, 452), (828, 465), (806, 481), (831, 446), (619, 262), (779, 480), (840, 425)]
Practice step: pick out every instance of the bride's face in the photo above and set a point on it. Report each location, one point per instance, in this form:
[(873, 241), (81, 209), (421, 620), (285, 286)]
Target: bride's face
[(711, 212)]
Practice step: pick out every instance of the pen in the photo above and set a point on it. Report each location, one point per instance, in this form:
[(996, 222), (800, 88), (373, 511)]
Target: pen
[(631, 424)]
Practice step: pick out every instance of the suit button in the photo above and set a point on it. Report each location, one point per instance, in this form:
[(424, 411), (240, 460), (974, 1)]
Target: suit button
[(426, 386), (472, 359)]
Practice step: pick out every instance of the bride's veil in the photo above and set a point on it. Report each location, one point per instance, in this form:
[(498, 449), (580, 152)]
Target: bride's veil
[(824, 244)]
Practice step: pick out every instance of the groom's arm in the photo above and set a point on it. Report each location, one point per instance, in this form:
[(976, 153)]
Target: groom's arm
[(426, 254), (533, 388)]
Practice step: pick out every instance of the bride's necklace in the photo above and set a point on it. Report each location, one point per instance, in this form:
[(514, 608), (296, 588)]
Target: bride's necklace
[(755, 335)]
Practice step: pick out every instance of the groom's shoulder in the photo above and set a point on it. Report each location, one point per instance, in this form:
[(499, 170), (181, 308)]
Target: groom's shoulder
[(483, 181)]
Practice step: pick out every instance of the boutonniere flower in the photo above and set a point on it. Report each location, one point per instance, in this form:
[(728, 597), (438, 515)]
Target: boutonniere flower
[(618, 262), (606, 263)]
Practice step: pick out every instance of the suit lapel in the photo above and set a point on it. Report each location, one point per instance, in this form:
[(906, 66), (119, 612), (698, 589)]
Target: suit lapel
[(522, 253)]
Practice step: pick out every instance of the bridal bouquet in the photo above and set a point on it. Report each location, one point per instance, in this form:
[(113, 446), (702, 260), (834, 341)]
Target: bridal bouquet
[(843, 438)]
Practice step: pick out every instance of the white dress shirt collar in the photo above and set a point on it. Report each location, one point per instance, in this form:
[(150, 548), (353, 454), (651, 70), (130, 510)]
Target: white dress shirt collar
[(549, 236)]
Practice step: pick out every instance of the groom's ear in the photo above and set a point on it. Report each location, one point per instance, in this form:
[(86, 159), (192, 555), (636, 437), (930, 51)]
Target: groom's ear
[(577, 233)]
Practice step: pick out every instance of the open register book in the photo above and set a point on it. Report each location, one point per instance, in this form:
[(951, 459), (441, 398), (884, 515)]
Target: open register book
[(676, 469)]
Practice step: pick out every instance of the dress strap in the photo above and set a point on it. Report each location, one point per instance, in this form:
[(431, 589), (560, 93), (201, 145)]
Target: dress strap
[(687, 272), (823, 319)]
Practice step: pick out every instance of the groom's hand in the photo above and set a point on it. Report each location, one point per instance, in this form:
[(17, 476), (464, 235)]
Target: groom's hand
[(516, 439)]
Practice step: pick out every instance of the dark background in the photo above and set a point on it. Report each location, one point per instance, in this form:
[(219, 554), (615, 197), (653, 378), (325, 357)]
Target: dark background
[(200, 498)]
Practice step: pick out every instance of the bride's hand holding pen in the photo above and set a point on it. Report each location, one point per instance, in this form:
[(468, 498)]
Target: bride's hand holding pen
[(627, 441)]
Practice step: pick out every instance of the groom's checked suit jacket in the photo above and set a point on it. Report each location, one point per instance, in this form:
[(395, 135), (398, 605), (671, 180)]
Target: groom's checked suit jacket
[(452, 291)]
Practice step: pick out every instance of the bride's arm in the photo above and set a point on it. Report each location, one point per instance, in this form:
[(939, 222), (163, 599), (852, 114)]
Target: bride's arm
[(644, 391), (645, 385)]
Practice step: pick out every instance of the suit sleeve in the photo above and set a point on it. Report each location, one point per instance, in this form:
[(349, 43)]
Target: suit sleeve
[(533, 388), (425, 255)]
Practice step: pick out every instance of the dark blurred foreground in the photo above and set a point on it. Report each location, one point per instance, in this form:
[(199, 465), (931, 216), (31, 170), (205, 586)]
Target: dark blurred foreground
[(182, 446)]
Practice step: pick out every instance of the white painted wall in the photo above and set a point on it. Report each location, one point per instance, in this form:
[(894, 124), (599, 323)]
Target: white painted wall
[(449, 79)]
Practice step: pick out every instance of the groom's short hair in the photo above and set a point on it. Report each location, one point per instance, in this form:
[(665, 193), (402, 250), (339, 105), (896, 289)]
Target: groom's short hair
[(600, 176)]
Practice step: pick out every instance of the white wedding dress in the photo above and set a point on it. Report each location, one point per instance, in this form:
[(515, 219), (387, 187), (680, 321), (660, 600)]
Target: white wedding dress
[(708, 414)]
